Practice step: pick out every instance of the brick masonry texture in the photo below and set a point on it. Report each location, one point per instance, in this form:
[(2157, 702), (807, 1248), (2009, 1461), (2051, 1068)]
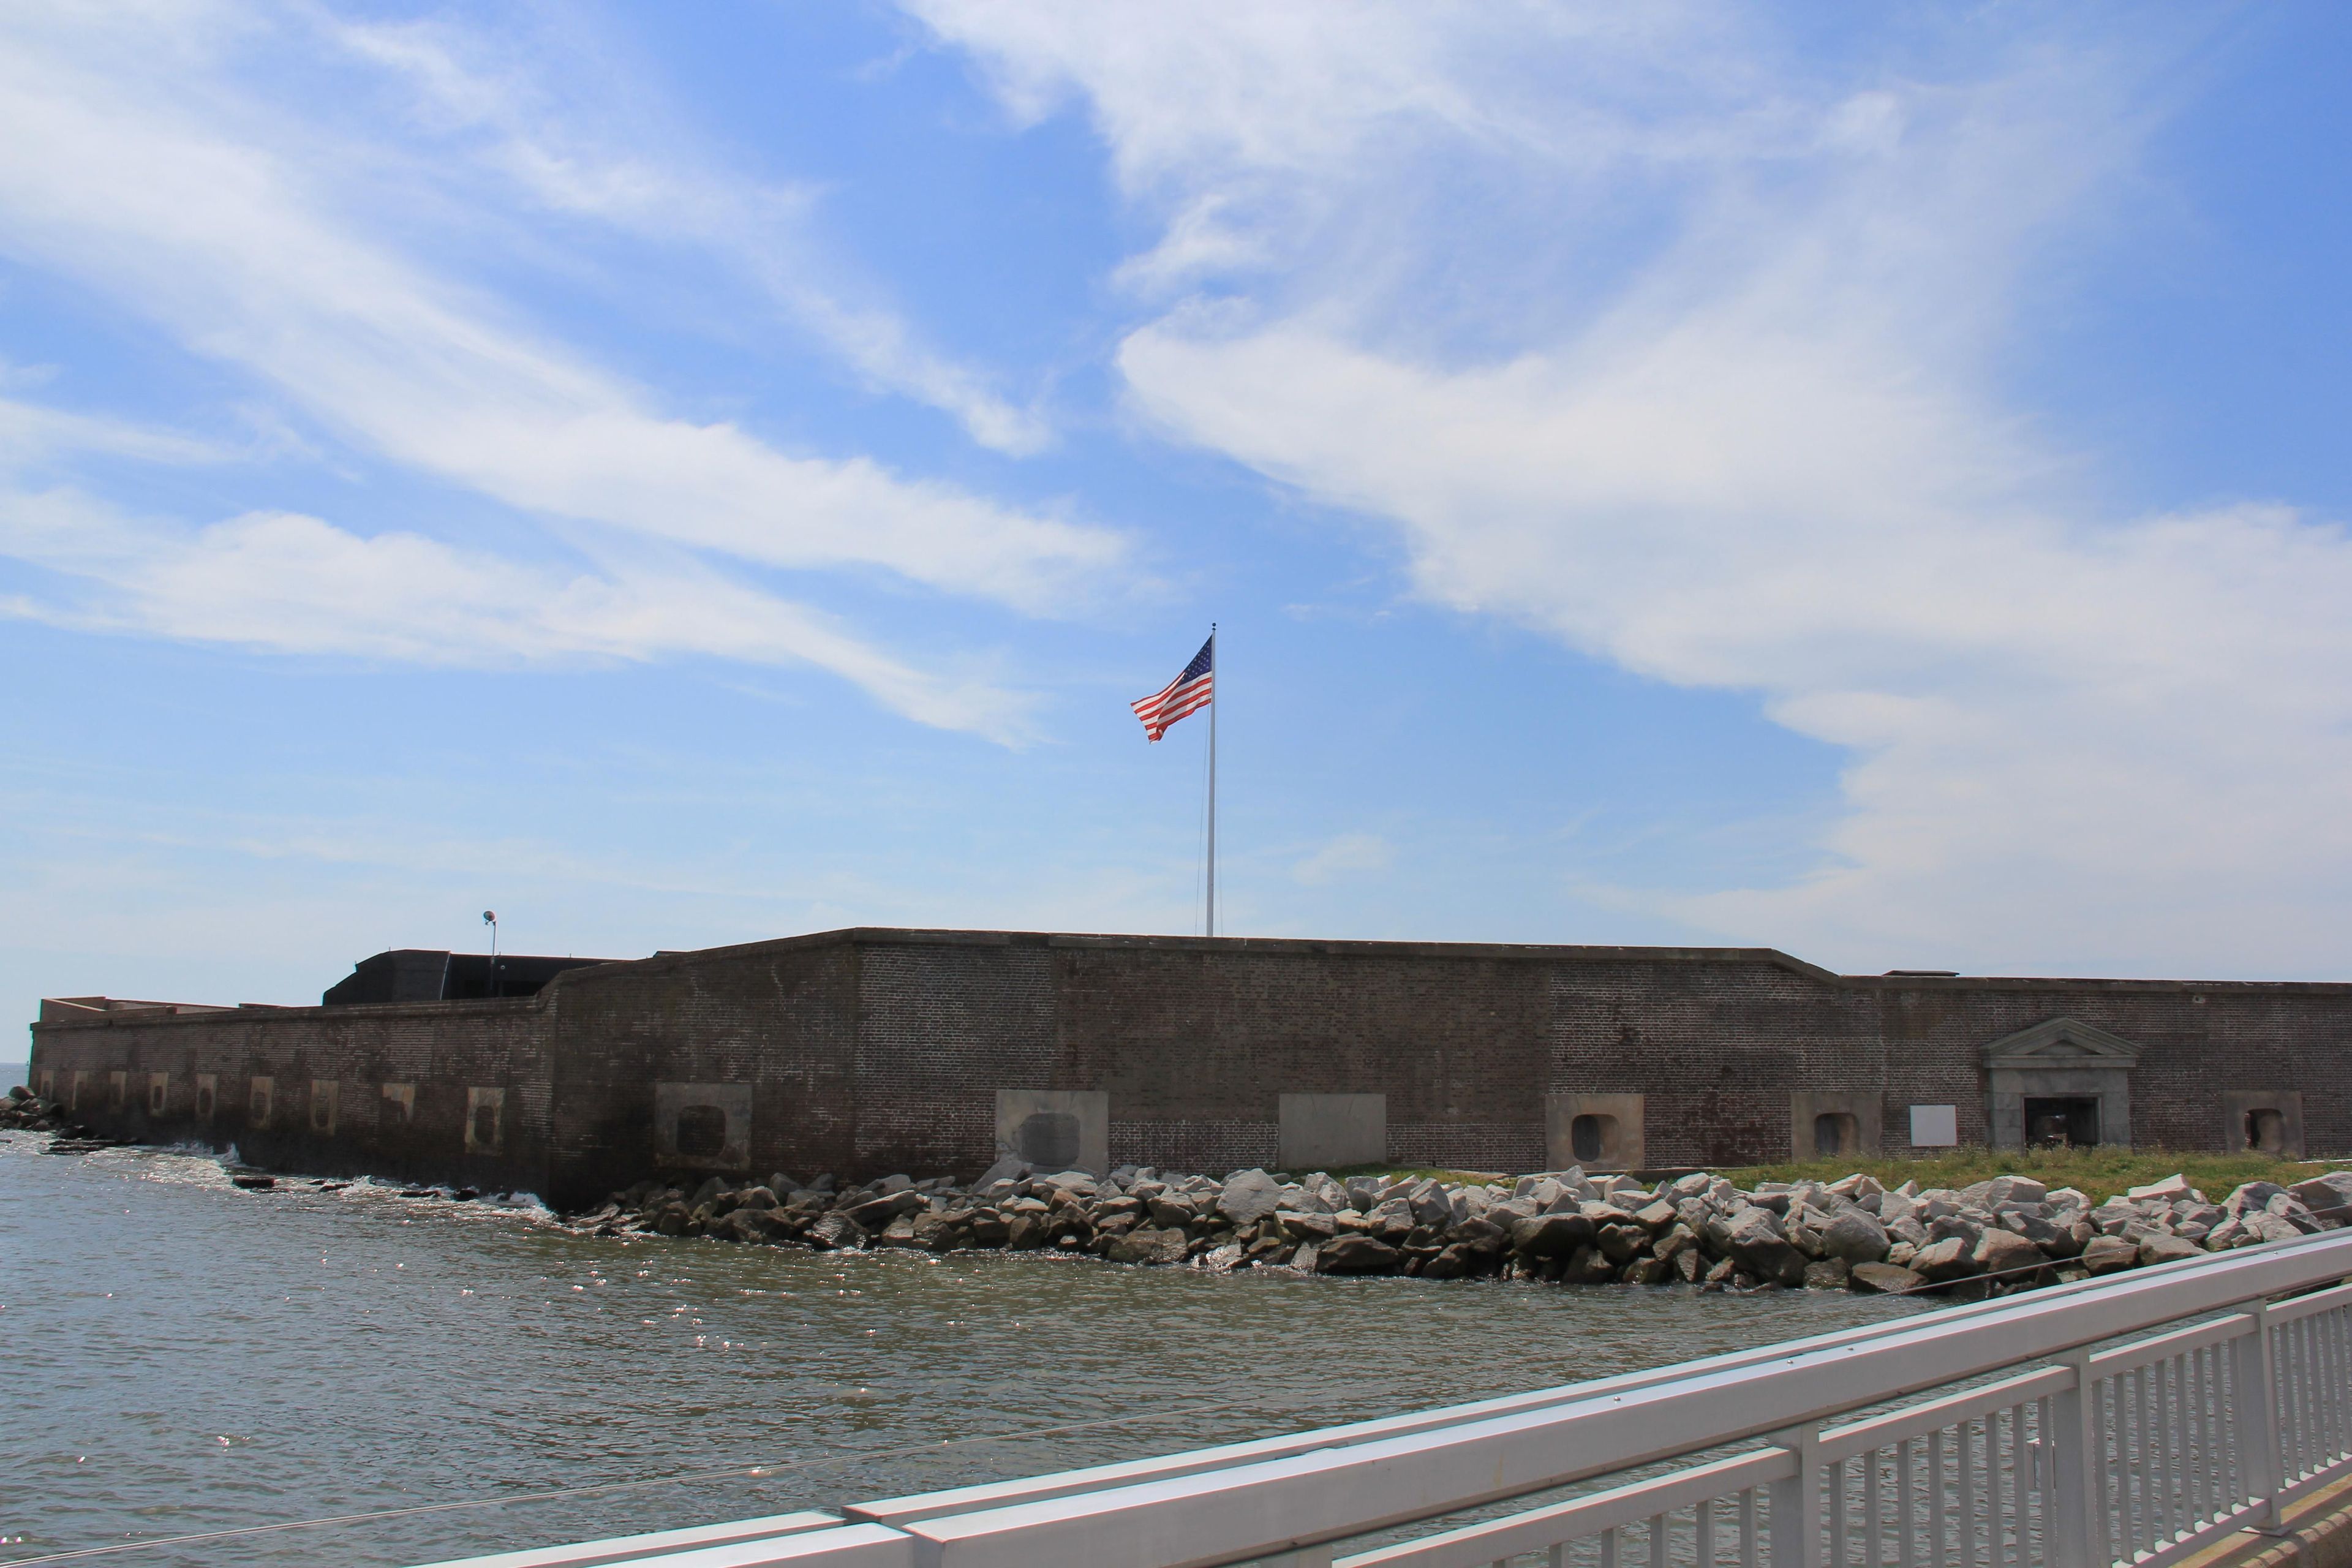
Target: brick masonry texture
[(868, 1051)]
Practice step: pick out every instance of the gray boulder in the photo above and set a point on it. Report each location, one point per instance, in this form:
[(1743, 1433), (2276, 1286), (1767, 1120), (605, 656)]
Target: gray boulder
[(834, 1232), (2168, 1249), (2110, 1254), (1550, 1234), (2111, 1219), (1620, 1244), (1752, 1239), (2014, 1190), (1005, 1170), (1146, 1245), (1481, 1235), (1951, 1259), (875, 1213), (1829, 1274), (1588, 1266), (1355, 1254), (1886, 1279), (2171, 1187), (2057, 1239), (2005, 1252), (1451, 1263), (1432, 1204), (1248, 1196), (753, 1225), (2250, 1195), (1856, 1237), (2328, 1197), (1656, 1217), (2288, 1207), (1171, 1211)]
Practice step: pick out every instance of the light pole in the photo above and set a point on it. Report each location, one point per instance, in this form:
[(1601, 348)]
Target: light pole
[(490, 918)]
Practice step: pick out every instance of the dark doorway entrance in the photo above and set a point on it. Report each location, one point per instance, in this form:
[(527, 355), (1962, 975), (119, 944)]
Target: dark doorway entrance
[(2267, 1130), (2062, 1123), (1050, 1139)]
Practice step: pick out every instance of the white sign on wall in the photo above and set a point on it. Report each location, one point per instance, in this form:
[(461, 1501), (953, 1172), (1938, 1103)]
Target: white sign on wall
[(1935, 1126)]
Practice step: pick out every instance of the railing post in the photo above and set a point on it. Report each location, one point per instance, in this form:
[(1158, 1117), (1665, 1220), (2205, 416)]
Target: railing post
[(2074, 1511), (1796, 1527), (2254, 1379)]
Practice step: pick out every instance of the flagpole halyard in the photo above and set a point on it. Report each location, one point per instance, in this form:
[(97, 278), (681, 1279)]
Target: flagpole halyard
[(1211, 923)]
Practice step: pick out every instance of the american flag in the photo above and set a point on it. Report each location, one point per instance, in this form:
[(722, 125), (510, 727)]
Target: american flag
[(1188, 693)]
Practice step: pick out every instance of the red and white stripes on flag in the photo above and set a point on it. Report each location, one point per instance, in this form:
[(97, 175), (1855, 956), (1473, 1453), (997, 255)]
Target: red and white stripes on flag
[(1188, 693)]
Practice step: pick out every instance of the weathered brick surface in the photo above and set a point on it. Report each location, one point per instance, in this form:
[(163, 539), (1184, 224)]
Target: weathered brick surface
[(868, 1051)]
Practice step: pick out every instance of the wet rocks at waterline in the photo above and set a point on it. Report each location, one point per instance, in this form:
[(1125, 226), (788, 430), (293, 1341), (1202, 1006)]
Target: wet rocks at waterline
[(2007, 1233), (26, 1112)]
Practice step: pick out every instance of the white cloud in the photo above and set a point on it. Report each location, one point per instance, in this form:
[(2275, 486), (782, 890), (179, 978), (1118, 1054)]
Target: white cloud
[(598, 148), (120, 187), (290, 584), (31, 433), (137, 161), (1701, 378)]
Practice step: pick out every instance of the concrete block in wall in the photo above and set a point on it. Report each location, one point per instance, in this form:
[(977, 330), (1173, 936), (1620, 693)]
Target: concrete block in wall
[(208, 1095), (1321, 1131), (399, 1104), (486, 1118), (703, 1126), (2268, 1120), (1597, 1131), (158, 1092), (324, 1102), (260, 1100), (1935, 1126), (118, 1090), (1054, 1129), (1827, 1124)]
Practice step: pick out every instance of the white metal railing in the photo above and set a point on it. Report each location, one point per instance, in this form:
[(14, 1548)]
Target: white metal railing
[(2051, 1439)]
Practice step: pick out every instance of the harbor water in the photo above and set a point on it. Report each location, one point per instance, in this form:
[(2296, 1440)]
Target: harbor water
[(187, 1358)]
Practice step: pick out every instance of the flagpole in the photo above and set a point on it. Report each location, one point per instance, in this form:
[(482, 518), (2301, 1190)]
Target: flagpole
[(1213, 778)]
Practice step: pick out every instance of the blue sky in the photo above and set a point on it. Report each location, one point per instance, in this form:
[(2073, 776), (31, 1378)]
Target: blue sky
[(1868, 483)]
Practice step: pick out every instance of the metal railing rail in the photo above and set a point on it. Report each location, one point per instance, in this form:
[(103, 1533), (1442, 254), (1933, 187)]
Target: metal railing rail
[(2088, 1452)]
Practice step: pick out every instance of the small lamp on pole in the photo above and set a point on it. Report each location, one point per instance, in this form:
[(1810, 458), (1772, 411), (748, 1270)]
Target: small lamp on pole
[(490, 918)]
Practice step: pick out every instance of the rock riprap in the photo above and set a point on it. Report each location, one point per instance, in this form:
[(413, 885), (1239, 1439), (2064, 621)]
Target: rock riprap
[(28, 1113), (2010, 1232)]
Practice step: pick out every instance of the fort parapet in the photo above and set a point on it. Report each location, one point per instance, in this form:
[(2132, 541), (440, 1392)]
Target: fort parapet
[(866, 1052)]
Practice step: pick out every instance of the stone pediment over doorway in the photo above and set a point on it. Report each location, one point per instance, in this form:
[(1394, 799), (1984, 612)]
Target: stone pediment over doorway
[(2062, 1043)]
